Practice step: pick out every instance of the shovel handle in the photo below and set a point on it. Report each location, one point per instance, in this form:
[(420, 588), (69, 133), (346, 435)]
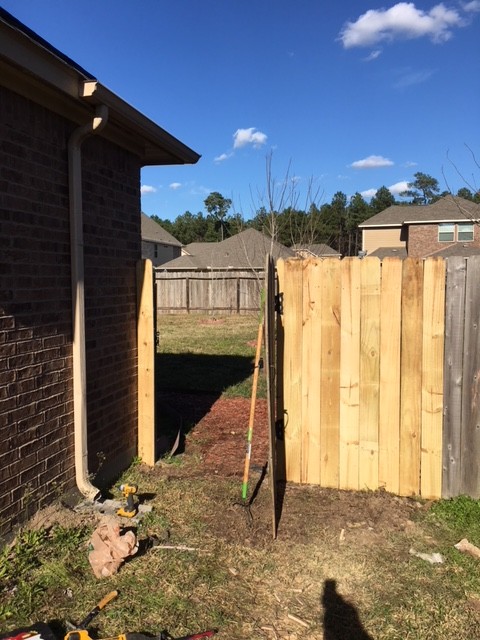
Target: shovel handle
[(246, 468), (105, 600), (103, 603)]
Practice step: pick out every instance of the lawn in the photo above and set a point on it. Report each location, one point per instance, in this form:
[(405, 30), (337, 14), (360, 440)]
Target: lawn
[(341, 566), (208, 354)]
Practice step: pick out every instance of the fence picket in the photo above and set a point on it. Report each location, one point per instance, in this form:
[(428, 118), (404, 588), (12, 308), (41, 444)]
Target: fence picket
[(453, 377), (311, 356), (349, 374), (389, 401), (369, 371), (411, 376), (470, 424), (432, 377), (293, 306), (330, 373)]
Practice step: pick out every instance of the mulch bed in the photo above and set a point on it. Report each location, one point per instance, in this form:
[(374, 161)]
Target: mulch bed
[(216, 430)]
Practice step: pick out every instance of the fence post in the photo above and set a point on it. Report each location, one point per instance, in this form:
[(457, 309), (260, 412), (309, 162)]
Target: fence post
[(146, 362)]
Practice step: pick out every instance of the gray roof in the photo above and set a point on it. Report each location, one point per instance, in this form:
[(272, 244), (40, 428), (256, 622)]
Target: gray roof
[(447, 209), (463, 250), (154, 232), (245, 250), (318, 250), (389, 252)]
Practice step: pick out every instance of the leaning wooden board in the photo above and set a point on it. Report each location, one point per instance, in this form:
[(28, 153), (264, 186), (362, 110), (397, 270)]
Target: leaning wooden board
[(269, 323)]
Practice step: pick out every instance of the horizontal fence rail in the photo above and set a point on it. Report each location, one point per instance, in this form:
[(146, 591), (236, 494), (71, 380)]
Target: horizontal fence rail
[(208, 292), (381, 374)]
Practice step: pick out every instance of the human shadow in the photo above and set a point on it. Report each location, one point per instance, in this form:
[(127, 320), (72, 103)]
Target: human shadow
[(340, 618), (186, 387)]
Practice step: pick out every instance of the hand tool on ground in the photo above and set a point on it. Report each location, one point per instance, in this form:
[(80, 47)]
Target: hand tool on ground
[(131, 507), (82, 634), (79, 631)]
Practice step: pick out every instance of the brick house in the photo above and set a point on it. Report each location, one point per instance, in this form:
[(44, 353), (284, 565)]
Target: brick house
[(70, 234), (450, 226), (158, 245)]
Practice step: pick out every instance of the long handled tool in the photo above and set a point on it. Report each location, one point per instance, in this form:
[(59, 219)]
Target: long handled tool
[(246, 469), (74, 630), (80, 631)]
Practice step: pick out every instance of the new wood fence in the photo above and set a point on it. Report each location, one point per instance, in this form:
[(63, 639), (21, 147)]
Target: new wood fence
[(226, 292), (381, 374)]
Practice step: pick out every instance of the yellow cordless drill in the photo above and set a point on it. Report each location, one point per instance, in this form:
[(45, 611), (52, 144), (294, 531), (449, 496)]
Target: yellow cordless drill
[(131, 508)]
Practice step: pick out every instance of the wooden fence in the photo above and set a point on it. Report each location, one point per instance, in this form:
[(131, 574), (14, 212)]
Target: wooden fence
[(226, 292), (381, 374)]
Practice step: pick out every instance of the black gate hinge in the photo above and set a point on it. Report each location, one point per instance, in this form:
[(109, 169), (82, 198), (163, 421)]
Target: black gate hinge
[(280, 429), (279, 303)]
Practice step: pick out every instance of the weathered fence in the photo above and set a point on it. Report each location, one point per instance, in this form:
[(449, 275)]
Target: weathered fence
[(381, 366), (227, 292)]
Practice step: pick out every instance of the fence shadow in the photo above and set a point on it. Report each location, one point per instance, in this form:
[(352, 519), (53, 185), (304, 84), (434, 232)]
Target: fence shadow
[(340, 618), (186, 387)]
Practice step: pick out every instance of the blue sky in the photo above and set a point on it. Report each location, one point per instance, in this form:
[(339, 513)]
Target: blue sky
[(341, 96)]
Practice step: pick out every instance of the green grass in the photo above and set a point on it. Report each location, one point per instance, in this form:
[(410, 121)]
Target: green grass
[(45, 574), (458, 515), (237, 579), (208, 355)]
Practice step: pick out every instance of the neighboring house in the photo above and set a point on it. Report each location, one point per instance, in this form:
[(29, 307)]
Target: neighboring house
[(157, 244), (245, 250), (315, 251), (450, 226), (70, 231)]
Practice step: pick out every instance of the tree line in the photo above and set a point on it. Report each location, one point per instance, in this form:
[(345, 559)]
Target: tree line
[(334, 223)]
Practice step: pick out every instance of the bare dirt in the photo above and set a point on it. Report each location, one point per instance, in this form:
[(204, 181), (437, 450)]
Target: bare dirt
[(216, 446), (327, 539)]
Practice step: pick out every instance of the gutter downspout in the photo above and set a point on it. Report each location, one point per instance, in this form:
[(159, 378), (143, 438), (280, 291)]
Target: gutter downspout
[(78, 298)]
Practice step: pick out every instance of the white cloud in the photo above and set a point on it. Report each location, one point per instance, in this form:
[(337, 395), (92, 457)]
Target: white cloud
[(402, 21), (409, 163), (410, 78), (472, 7), (373, 56), (372, 162), (146, 188), (369, 193), (242, 137), (397, 188), (175, 185), (222, 157)]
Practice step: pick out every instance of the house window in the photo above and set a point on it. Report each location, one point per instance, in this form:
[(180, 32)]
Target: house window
[(465, 232), (155, 250), (446, 232)]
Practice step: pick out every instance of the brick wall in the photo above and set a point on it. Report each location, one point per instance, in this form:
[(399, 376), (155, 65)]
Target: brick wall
[(36, 404), (423, 240), (112, 248)]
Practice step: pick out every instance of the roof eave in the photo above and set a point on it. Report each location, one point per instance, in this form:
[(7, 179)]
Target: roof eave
[(440, 220), (379, 225), (159, 146), (34, 68)]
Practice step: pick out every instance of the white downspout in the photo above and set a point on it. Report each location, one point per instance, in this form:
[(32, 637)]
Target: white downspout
[(78, 298)]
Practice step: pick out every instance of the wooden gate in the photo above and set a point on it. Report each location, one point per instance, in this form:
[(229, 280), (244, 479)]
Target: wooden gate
[(381, 374)]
